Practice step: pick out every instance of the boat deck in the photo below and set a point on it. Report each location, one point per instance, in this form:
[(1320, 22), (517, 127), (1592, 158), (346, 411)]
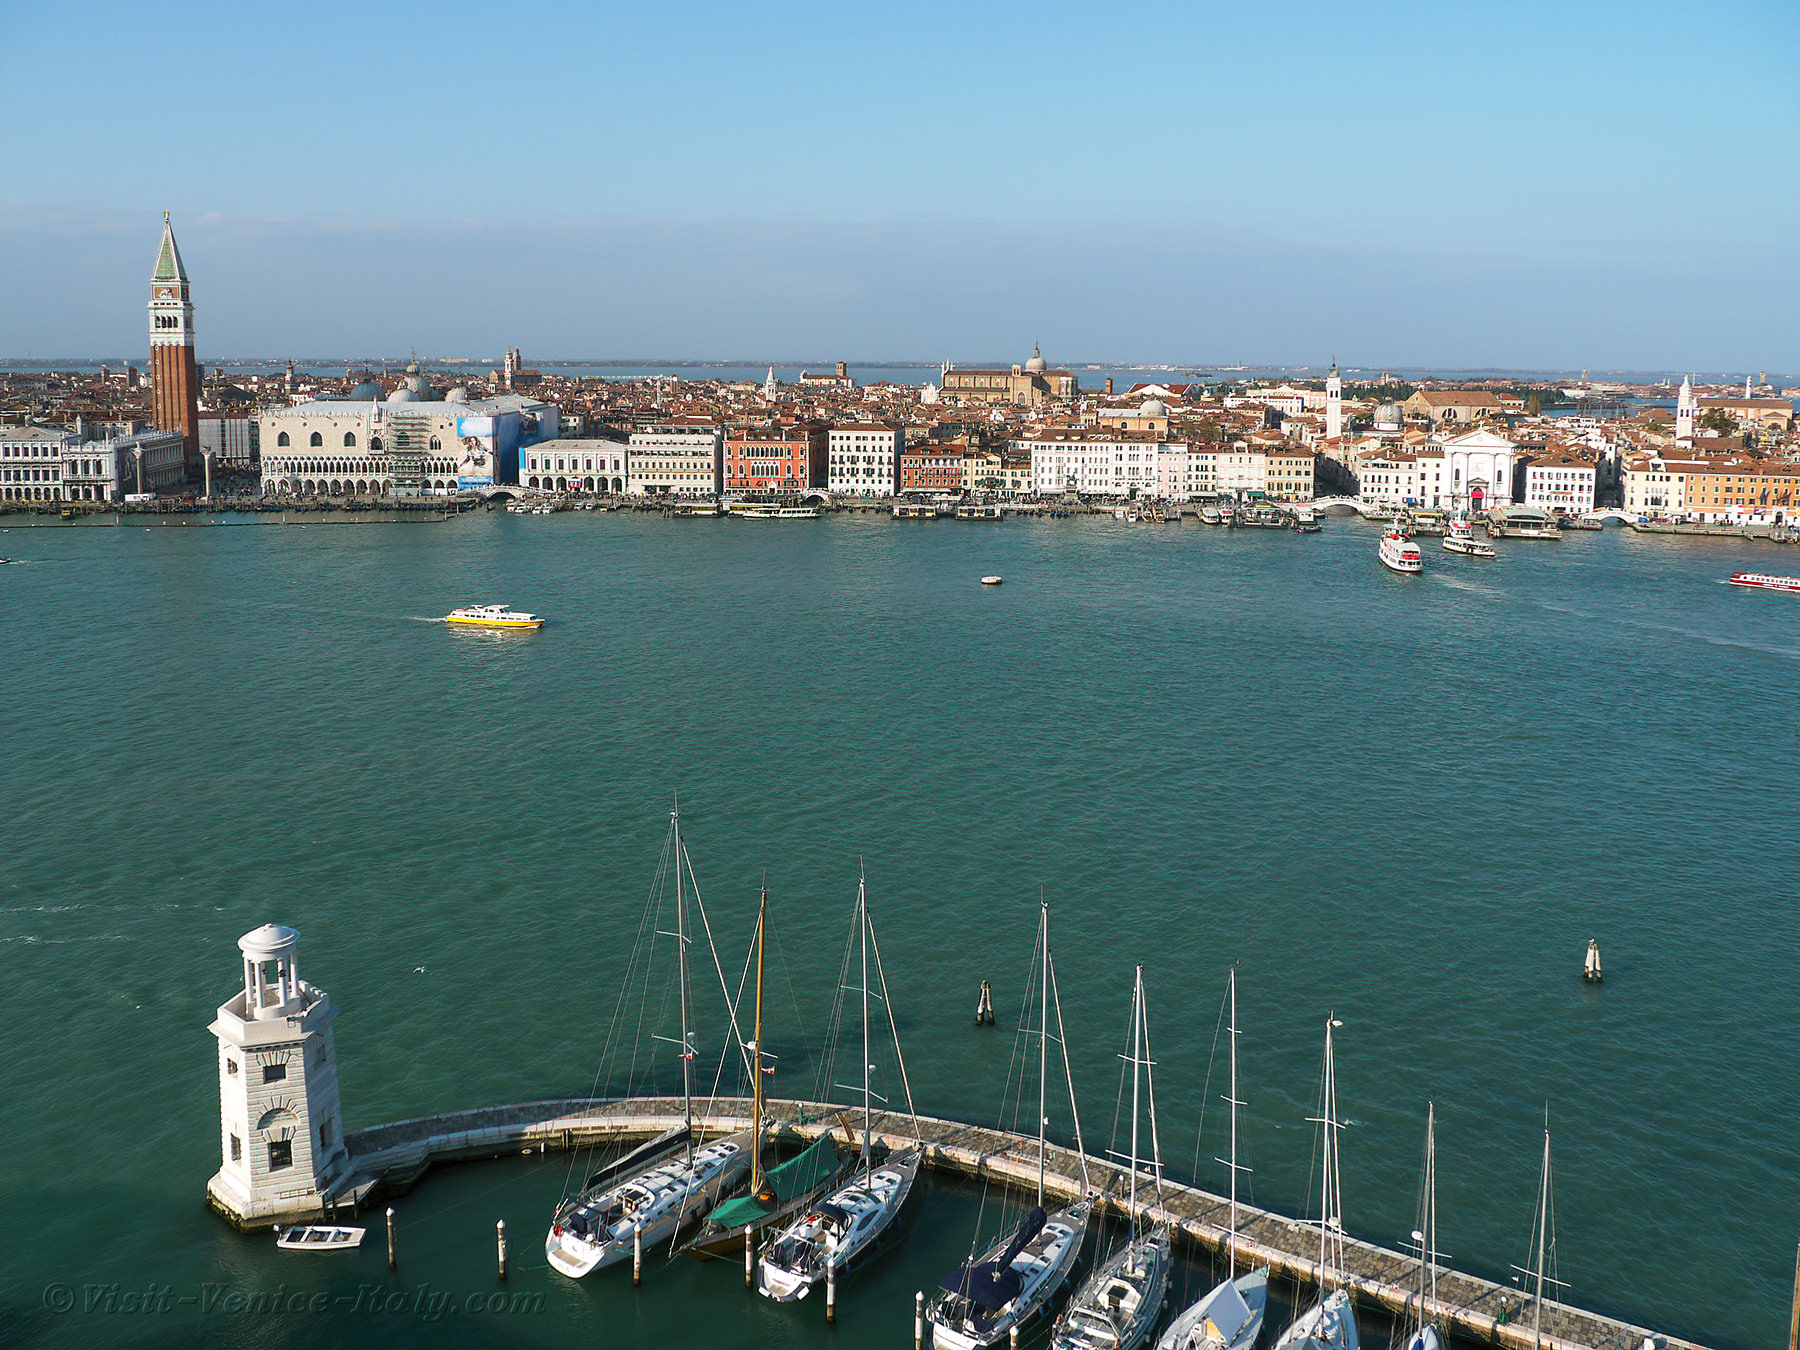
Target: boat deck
[(1477, 1310)]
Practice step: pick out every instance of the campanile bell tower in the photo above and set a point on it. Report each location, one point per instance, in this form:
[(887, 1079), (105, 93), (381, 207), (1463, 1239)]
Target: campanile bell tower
[(174, 379)]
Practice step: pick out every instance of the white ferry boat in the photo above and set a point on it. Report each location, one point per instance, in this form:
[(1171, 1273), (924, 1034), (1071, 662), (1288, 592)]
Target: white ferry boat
[(1398, 553), (592, 1230), (776, 512), (1763, 581), (1461, 539), (493, 616)]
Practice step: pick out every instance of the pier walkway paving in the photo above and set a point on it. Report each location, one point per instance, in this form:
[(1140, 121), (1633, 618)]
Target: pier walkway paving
[(390, 1158)]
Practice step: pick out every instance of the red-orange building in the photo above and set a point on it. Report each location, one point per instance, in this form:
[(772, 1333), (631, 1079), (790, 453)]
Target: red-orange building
[(772, 460), (932, 468), (174, 378)]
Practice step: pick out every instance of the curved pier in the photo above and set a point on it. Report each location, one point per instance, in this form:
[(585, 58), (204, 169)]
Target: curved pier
[(389, 1158)]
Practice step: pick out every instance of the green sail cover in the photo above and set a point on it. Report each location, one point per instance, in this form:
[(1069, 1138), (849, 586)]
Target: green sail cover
[(794, 1177)]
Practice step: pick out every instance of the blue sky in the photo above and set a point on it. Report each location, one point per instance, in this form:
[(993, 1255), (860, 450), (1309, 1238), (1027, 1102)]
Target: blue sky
[(1611, 186)]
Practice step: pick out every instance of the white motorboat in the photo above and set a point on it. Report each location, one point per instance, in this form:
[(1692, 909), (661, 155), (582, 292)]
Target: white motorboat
[(824, 1242), (992, 580), (1120, 1301), (776, 512), (1231, 1316), (630, 1206), (1398, 553), (319, 1238), (1210, 514), (982, 1302), (1329, 1324)]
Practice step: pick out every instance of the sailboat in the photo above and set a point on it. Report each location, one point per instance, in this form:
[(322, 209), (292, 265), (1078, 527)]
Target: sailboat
[(1543, 1238), (1329, 1324), (1231, 1317), (982, 1301), (1120, 1301), (1425, 1336), (776, 1193), (837, 1231), (623, 1209)]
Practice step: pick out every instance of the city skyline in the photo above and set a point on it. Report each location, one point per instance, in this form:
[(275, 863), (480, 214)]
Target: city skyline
[(1531, 189)]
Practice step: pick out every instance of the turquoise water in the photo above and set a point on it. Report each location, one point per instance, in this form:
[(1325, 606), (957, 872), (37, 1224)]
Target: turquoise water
[(1408, 800)]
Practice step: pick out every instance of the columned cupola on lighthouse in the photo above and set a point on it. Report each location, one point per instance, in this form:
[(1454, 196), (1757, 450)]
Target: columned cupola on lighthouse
[(281, 1137), (174, 378)]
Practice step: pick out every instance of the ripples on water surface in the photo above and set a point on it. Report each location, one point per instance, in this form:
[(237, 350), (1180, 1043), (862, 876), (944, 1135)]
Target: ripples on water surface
[(1410, 801)]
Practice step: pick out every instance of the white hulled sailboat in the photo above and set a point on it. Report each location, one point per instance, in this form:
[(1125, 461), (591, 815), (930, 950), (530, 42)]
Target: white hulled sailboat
[(631, 1206), (848, 1224)]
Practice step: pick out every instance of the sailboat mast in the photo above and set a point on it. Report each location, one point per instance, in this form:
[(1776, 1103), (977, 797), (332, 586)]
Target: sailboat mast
[(681, 952), (756, 1073), (1043, 1040), (1231, 1244), (1325, 1163), (1537, 1307), (862, 914), (1431, 1199), (1137, 1009)]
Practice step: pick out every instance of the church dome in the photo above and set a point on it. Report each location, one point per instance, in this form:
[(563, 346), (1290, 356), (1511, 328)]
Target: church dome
[(1153, 407), (366, 392), (459, 394), (1036, 365), (404, 395), (1388, 417)]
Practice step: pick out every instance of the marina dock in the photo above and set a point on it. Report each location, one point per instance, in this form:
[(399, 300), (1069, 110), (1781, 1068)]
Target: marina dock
[(389, 1159)]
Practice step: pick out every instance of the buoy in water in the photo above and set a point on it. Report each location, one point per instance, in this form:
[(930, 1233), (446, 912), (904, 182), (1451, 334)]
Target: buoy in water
[(984, 1006), (992, 580), (1591, 970)]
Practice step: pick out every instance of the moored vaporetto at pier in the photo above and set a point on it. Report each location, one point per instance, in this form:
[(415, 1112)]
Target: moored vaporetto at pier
[(286, 1161)]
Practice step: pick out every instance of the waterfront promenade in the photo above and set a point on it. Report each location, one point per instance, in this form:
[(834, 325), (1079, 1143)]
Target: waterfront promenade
[(389, 1159)]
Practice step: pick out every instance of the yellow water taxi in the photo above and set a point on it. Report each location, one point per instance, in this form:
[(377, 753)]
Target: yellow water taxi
[(494, 616)]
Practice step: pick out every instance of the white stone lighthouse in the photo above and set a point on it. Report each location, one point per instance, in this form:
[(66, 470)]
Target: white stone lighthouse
[(281, 1134)]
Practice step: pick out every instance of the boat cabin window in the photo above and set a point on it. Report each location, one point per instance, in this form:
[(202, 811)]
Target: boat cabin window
[(274, 1073), (281, 1154)]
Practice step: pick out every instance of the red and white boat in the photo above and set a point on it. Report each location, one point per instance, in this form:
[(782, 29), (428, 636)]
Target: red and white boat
[(1763, 581), (1399, 553)]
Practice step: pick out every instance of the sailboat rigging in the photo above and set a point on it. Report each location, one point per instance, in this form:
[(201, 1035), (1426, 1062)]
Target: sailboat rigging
[(776, 1193), (840, 1230), (622, 1209), (1329, 1324), (982, 1301), (1120, 1301), (1425, 1335), (1231, 1316)]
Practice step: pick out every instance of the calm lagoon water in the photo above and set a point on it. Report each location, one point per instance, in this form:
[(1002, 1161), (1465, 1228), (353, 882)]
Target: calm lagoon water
[(1408, 801)]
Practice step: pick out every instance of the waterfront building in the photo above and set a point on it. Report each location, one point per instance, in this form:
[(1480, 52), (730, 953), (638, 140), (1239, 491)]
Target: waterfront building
[(1762, 414), (1289, 472), (174, 378), (1560, 482), (1404, 478), (1738, 488), (1478, 468), (1124, 464), (281, 1138), (864, 459), (574, 465), (842, 379), (768, 461), (997, 470), (1658, 487), (1242, 468), (932, 468), (677, 459), (1025, 386), (410, 443), (41, 465), (1202, 471)]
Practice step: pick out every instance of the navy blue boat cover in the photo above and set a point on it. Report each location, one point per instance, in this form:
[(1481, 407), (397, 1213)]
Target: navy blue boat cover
[(993, 1284)]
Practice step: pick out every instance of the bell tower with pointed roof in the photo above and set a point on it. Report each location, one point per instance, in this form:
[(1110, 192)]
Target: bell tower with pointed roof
[(174, 378)]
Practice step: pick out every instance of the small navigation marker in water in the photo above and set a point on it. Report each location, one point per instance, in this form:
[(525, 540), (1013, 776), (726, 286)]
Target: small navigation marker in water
[(984, 1006), (1591, 971)]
